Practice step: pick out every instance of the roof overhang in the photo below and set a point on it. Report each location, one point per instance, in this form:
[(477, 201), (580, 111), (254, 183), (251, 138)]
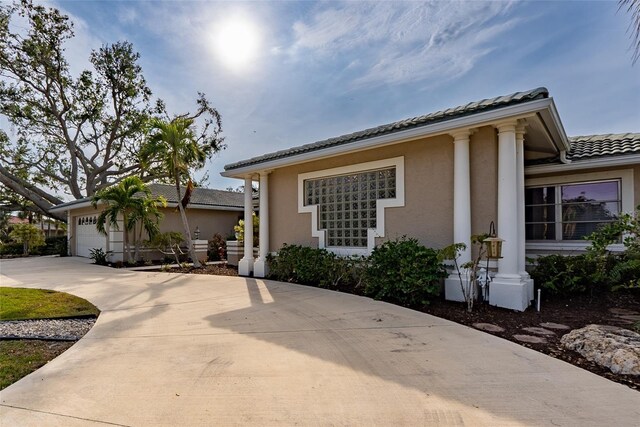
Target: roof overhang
[(83, 203), (599, 162), (544, 109)]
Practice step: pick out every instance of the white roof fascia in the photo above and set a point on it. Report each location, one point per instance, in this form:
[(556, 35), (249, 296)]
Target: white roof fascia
[(556, 120), (78, 205), (86, 204), (633, 159), (473, 120)]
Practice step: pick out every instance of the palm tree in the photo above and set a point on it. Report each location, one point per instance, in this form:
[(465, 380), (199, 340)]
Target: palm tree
[(174, 145), (123, 199), (633, 7), (148, 215)]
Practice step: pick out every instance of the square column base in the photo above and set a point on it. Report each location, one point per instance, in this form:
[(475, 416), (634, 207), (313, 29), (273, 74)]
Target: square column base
[(530, 288), (452, 289), (261, 268), (512, 293), (245, 266)]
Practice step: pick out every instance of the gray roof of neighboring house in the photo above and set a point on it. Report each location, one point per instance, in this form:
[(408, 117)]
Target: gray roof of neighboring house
[(200, 197), (597, 146), (415, 122)]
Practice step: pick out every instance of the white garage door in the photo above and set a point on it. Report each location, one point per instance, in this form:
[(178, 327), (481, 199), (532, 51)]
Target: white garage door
[(87, 236)]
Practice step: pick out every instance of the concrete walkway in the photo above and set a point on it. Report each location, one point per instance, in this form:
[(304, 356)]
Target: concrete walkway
[(203, 350)]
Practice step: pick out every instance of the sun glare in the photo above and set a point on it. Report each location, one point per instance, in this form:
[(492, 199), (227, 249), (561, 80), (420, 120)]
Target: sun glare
[(237, 42)]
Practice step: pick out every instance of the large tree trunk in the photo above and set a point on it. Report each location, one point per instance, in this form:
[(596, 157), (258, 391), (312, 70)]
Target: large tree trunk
[(40, 199), (187, 232)]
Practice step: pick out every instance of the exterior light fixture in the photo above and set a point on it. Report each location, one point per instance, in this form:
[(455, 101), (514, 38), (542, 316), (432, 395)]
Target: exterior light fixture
[(196, 233), (494, 243)]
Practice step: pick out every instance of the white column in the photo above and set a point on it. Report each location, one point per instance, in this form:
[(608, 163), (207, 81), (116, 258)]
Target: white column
[(461, 210), (507, 198), (245, 266), (462, 194), (261, 268), (507, 289), (522, 251)]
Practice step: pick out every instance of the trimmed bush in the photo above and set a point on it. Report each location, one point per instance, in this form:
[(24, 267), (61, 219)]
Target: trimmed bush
[(217, 248), (405, 272), (316, 267)]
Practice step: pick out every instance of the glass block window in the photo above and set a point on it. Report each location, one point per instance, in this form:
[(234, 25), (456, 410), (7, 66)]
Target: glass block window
[(347, 204), (570, 211)]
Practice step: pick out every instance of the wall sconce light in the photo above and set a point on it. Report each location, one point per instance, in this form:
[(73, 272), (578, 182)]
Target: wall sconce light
[(196, 233), (494, 243)]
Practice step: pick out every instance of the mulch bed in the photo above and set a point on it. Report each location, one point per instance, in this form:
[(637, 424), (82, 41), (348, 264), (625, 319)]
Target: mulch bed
[(574, 312), (215, 269)]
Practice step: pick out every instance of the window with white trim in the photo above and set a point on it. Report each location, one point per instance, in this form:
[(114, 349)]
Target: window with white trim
[(347, 204), (570, 211)]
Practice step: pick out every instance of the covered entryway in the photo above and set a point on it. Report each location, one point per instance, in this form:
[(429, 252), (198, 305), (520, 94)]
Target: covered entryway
[(87, 236)]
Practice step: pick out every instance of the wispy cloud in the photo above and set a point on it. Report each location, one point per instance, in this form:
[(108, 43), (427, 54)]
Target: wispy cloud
[(401, 42)]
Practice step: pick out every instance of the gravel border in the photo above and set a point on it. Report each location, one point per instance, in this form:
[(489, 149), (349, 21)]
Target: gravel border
[(46, 329)]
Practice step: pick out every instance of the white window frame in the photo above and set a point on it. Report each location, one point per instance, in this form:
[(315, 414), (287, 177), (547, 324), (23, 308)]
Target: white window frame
[(625, 176), (381, 204)]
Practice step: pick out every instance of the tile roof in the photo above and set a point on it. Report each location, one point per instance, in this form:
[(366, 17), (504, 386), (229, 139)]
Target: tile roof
[(415, 122), (199, 198), (597, 146)]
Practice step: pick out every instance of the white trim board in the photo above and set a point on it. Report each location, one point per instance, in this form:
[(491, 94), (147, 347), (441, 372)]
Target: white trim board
[(381, 204)]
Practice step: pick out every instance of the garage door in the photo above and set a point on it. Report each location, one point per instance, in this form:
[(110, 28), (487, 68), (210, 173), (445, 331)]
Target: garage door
[(87, 236)]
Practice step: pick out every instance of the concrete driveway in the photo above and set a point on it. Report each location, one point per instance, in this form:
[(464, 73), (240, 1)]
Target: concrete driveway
[(172, 349)]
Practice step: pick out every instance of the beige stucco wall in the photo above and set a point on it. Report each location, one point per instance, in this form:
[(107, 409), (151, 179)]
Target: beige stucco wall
[(428, 211), (209, 221)]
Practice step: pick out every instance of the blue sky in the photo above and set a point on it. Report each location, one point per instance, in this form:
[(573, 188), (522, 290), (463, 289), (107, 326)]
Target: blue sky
[(321, 69)]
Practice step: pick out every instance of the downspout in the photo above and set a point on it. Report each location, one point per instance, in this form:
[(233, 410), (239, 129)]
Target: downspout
[(563, 157)]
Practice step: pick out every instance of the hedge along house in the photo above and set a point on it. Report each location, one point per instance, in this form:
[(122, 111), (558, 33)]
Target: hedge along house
[(442, 177), (209, 212)]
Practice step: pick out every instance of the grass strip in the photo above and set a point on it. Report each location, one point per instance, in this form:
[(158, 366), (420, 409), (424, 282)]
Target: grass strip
[(20, 358), (25, 304)]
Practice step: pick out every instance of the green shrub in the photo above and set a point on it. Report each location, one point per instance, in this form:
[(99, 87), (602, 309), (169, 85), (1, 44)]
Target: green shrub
[(217, 248), (11, 248), (578, 274), (405, 272), (53, 246), (317, 267), (99, 256), (302, 265)]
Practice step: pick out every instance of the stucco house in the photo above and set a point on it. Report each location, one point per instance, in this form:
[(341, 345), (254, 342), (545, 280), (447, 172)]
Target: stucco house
[(442, 177), (210, 211)]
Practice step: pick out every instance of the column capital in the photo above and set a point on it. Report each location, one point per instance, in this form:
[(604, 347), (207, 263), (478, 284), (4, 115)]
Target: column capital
[(506, 126), (265, 172), (461, 134)]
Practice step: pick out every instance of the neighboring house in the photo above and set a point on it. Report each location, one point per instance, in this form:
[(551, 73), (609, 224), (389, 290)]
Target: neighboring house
[(210, 211), (442, 177)]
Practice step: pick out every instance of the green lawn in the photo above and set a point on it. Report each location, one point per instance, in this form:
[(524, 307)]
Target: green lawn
[(21, 357), (21, 304)]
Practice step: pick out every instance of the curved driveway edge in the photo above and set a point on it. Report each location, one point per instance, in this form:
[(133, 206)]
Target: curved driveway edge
[(171, 349)]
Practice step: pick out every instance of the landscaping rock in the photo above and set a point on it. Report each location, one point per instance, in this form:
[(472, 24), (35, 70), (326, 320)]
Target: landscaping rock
[(488, 327), (530, 339), (615, 348), (551, 325), (539, 331)]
